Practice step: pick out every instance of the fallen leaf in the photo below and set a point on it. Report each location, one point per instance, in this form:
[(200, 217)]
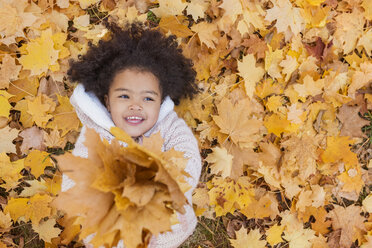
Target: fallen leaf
[(46, 230), (37, 161), (252, 238), (41, 54), (8, 71), (251, 73), (274, 234), (221, 161), (7, 136), (32, 138)]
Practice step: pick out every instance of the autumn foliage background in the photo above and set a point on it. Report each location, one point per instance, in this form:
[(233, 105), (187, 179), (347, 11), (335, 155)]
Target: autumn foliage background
[(283, 117)]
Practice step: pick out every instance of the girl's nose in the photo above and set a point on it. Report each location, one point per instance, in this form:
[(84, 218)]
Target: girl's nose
[(135, 106)]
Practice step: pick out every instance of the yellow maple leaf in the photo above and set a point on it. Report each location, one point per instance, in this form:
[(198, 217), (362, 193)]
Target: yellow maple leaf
[(266, 206), (232, 9), (46, 230), (10, 171), (16, 207), (300, 238), (197, 9), (37, 161), (287, 17), (277, 125), (22, 87), (7, 135), (352, 180), (41, 54), (64, 116), (352, 24), (250, 73), (268, 87), (360, 78), (272, 60), (71, 228), (274, 103), (289, 65), (310, 87), (175, 25), (252, 239), (40, 108), (274, 234), (252, 19), (366, 42), (221, 161), (235, 121), (59, 39), (86, 3), (316, 16), (169, 7), (338, 148), (38, 208), (226, 195), (5, 107), (207, 33), (25, 118)]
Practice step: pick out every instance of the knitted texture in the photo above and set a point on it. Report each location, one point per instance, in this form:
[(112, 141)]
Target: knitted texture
[(176, 134)]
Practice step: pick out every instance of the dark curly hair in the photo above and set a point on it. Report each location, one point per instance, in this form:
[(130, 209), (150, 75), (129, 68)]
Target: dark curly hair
[(135, 47)]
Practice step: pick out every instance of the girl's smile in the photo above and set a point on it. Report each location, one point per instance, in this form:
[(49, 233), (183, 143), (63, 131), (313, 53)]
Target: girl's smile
[(134, 100)]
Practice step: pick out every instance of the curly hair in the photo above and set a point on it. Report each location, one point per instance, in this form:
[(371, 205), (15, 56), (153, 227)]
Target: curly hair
[(135, 47)]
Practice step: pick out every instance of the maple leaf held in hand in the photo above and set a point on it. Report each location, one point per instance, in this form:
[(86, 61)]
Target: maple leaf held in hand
[(132, 184)]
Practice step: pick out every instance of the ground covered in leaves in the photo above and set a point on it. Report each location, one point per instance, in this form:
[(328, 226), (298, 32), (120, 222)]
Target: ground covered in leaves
[(283, 118)]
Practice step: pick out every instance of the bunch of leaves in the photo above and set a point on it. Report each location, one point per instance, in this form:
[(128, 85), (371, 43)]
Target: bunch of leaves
[(138, 188), (283, 86)]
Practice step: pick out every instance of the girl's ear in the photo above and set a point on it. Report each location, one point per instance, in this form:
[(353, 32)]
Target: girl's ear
[(107, 102)]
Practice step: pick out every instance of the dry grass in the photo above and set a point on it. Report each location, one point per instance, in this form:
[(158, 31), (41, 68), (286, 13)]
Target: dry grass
[(209, 233)]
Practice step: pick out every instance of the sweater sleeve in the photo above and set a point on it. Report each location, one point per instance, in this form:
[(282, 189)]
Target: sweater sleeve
[(179, 136)]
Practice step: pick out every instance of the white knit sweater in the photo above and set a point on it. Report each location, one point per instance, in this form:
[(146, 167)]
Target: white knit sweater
[(176, 134)]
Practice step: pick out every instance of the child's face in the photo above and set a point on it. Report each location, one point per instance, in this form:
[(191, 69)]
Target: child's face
[(134, 100)]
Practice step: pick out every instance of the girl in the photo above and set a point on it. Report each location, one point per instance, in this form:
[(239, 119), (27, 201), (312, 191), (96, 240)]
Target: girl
[(131, 81)]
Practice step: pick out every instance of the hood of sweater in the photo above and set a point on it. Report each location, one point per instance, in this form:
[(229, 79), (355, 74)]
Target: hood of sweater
[(90, 109)]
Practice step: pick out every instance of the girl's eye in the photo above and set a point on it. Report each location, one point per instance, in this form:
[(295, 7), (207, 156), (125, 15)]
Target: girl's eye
[(148, 99), (124, 96)]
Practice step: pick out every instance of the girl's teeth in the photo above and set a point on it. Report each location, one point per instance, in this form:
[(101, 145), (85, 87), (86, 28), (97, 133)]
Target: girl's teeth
[(134, 118)]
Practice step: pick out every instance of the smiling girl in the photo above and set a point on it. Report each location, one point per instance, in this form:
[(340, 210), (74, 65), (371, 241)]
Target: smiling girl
[(131, 81)]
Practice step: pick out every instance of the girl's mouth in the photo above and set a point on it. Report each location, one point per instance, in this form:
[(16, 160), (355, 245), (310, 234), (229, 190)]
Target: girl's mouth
[(134, 120)]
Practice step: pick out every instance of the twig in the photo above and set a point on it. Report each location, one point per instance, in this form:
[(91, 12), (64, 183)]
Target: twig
[(206, 227)]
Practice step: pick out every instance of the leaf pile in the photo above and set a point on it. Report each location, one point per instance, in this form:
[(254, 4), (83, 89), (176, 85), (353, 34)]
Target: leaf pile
[(135, 193), (285, 97)]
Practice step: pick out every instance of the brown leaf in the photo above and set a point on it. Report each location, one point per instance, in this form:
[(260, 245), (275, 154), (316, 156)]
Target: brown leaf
[(175, 25), (8, 71), (349, 221), (33, 137), (351, 122), (316, 49), (51, 88), (255, 46), (109, 4)]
